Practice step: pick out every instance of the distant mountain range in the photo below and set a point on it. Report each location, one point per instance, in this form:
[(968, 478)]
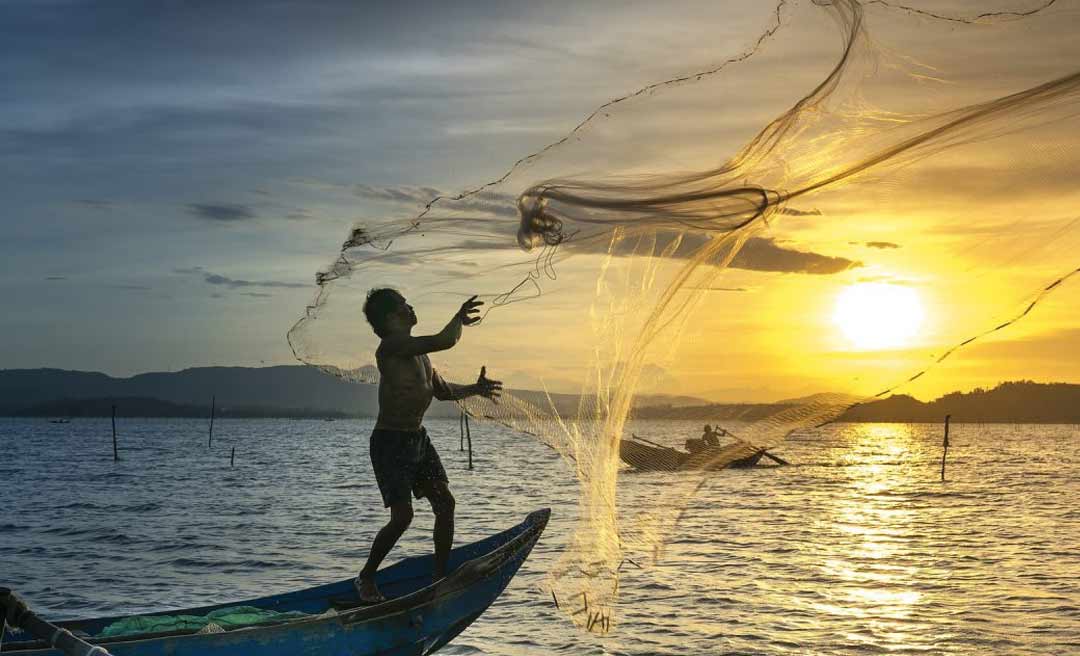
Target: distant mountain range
[(300, 391), (283, 391), (1022, 402), (1015, 402)]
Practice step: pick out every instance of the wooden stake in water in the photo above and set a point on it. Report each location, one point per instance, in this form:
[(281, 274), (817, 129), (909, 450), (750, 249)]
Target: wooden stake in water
[(213, 404), (115, 451), (945, 445), (232, 458), (468, 437), (461, 430)]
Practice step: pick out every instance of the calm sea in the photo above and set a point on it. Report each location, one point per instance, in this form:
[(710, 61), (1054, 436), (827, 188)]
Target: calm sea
[(856, 549)]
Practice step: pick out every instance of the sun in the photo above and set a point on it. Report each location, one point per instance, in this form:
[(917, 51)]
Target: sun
[(875, 315)]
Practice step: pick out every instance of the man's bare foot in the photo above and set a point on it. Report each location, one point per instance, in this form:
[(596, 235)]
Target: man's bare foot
[(368, 591)]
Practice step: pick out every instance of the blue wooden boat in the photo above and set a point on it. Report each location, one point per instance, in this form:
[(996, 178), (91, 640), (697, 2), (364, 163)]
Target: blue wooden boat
[(419, 618)]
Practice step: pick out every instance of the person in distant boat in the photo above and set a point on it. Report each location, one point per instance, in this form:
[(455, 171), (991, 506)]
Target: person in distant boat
[(709, 437), (404, 459)]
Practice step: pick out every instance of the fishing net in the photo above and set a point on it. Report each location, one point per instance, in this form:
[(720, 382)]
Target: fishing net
[(836, 206), (217, 621)]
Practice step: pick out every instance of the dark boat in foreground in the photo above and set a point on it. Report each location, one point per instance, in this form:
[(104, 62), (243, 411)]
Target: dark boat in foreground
[(646, 456), (419, 618)]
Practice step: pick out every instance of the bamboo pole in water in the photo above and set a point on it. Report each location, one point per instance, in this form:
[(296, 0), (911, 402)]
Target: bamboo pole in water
[(213, 405), (115, 451), (468, 437), (945, 447)]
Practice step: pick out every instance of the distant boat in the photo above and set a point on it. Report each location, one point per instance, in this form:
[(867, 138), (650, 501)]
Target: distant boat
[(59, 421), (420, 617), (648, 456)]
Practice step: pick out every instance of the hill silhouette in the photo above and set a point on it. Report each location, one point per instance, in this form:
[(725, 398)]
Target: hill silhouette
[(282, 391), (1020, 402), (1014, 402)]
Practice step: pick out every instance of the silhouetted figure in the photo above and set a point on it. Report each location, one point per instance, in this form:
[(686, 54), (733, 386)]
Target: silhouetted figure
[(710, 437), (404, 459)]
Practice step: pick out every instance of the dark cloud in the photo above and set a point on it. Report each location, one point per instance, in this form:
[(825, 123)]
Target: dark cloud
[(763, 254), (882, 244), (791, 211), (55, 277), (758, 254), (256, 294), (222, 212), (236, 283)]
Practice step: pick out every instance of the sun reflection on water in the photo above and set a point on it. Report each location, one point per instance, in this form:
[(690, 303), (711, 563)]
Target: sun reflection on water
[(872, 566)]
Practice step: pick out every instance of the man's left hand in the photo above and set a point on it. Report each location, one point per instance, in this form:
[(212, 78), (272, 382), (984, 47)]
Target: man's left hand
[(488, 388)]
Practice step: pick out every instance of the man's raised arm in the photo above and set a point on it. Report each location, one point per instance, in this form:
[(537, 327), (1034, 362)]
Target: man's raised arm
[(407, 345), (484, 386)]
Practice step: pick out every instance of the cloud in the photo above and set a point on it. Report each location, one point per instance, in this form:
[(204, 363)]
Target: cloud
[(881, 244), (237, 283), (758, 254), (55, 277), (221, 212), (796, 212), (233, 283), (764, 254), (488, 203), (95, 204), (396, 194)]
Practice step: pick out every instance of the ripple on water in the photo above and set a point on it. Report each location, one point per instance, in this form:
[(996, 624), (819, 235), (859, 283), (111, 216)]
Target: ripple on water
[(858, 549)]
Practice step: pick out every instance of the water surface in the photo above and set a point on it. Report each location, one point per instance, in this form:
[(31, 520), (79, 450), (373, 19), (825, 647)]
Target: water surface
[(857, 549)]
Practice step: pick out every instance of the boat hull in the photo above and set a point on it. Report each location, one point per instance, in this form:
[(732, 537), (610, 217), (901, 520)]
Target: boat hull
[(420, 618), (645, 457)]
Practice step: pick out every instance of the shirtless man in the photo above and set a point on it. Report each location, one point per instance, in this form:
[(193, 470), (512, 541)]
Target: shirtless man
[(404, 459)]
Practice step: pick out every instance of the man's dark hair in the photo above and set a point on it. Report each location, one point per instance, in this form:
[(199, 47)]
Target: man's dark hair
[(380, 302)]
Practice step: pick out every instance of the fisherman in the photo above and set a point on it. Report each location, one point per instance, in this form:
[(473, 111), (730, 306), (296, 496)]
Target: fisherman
[(709, 437), (404, 459)]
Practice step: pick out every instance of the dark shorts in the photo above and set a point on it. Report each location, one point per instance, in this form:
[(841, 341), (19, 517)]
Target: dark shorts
[(404, 461)]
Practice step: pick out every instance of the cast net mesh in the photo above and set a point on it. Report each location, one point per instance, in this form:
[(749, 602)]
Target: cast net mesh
[(661, 235)]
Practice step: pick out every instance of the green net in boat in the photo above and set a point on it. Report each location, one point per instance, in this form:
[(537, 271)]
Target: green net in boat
[(221, 619)]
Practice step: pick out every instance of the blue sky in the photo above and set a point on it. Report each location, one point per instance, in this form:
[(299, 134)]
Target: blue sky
[(161, 162)]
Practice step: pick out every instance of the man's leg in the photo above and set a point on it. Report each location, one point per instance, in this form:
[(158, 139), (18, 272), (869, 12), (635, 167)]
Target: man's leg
[(401, 514), (442, 503)]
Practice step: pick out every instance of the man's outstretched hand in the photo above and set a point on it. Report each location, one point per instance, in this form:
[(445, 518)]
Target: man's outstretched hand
[(487, 388), (470, 311)]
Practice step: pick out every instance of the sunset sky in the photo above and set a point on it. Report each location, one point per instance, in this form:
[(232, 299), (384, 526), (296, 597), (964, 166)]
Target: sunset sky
[(175, 175)]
